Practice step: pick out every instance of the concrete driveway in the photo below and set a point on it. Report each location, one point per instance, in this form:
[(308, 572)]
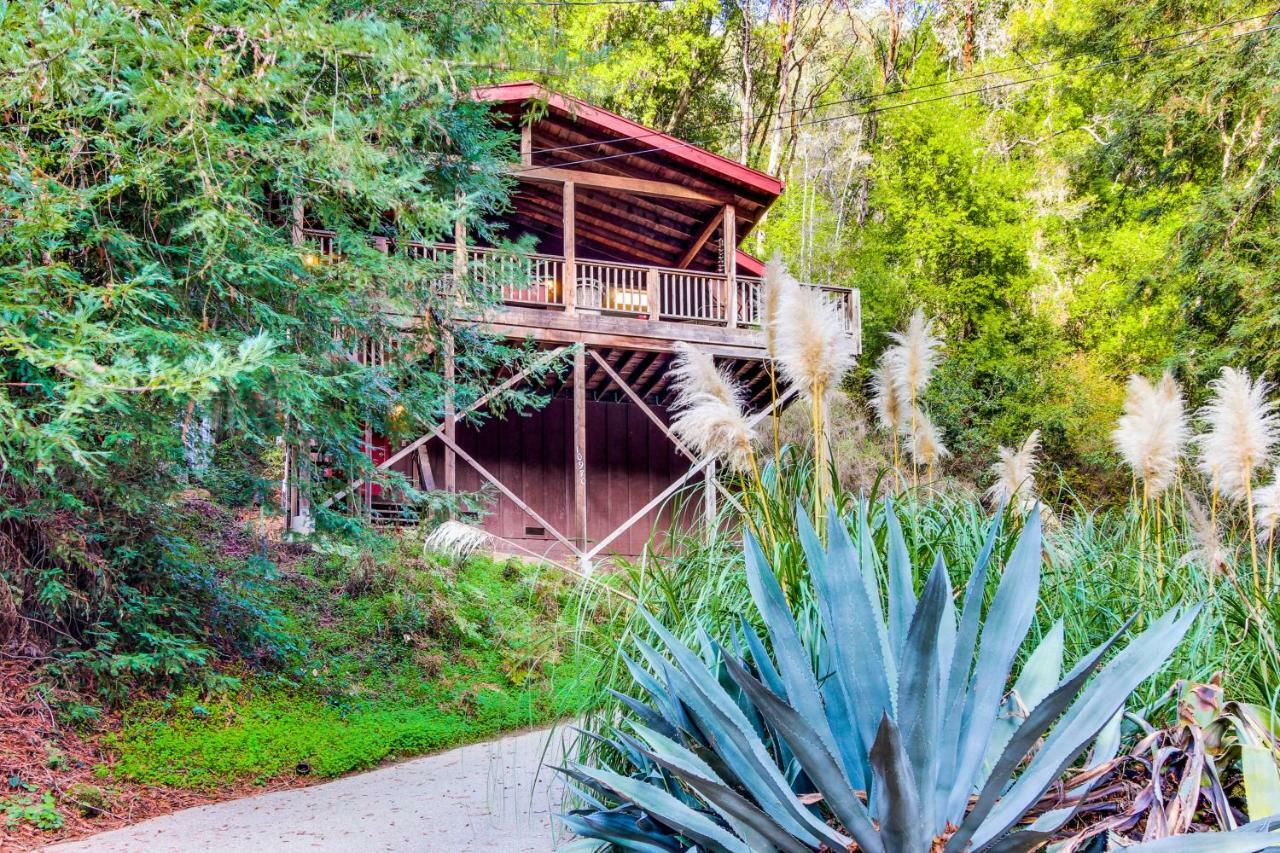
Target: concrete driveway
[(488, 796)]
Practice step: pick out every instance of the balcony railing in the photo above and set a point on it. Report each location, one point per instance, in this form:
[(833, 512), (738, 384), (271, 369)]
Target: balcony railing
[(604, 287)]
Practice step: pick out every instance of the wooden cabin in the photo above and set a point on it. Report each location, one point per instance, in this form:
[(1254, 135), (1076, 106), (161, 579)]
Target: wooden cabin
[(637, 239)]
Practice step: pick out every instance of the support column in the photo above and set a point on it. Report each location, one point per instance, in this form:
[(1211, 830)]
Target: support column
[(580, 450), (570, 284), (730, 220), (450, 417)]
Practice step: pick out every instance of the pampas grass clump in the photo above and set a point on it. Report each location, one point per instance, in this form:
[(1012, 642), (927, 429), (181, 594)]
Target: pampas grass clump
[(1151, 432), (1015, 471)]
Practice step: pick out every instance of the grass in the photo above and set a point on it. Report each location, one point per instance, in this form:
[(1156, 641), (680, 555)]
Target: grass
[(403, 655)]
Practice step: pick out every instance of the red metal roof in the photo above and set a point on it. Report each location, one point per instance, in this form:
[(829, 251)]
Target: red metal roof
[(624, 127)]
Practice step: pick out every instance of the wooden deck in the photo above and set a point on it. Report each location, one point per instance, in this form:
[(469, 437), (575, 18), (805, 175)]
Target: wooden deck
[(613, 304)]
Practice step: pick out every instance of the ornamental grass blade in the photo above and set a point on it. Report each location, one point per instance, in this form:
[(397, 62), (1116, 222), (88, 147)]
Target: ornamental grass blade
[(666, 809), (759, 830), (1105, 695), (919, 683), (814, 756), (898, 808), (1007, 623)]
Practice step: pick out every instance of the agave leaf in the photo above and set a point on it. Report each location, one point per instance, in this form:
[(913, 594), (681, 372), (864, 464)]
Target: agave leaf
[(859, 669), (1238, 841), (583, 845), (732, 735), (919, 683), (794, 663), (620, 830), (814, 756), (759, 830), (871, 582), (902, 598), (665, 808), (643, 711), (1099, 702), (760, 657), (1039, 676), (901, 826), (1261, 780), (949, 741), (1025, 737), (1007, 623), (1047, 825)]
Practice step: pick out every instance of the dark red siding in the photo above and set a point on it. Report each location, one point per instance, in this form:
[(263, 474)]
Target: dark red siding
[(629, 461)]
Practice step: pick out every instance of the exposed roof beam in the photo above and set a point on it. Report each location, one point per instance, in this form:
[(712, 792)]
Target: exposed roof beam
[(639, 186), (701, 240)]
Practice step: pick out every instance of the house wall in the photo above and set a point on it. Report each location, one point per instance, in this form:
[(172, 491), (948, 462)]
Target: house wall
[(629, 461)]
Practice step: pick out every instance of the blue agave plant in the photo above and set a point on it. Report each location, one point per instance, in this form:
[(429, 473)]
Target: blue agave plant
[(884, 726)]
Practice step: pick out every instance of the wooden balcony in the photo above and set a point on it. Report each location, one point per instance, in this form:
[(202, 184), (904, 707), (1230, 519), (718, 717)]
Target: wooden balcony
[(613, 300)]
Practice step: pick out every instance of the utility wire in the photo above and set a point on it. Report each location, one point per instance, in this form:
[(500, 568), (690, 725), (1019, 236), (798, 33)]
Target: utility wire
[(892, 107), (924, 86)]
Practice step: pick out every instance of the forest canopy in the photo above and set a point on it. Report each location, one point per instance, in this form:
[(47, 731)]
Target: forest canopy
[(1077, 190)]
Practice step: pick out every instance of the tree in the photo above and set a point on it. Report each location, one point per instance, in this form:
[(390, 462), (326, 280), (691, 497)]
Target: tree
[(157, 158)]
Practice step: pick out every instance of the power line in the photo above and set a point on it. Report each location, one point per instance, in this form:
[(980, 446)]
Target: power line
[(892, 107), (920, 88)]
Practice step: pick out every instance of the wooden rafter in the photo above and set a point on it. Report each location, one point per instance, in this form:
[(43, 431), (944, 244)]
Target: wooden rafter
[(701, 240)]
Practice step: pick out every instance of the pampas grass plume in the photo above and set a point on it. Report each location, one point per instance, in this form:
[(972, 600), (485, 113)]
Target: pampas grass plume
[(892, 411), (924, 442), (1266, 507), (1015, 475), (1152, 431), (456, 540), (814, 351), (709, 409), (1241, 430), (1209, 551), (916, 356)]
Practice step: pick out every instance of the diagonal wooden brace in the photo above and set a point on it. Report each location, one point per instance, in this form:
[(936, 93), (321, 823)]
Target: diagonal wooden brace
[(538, 364)]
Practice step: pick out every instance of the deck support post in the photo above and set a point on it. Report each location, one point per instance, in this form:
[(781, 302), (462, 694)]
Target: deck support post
[(569, 214), (450, 417), (730, 219), (580, 452)]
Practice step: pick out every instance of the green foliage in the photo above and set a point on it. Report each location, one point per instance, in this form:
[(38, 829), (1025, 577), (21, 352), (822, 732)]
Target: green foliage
[(41, 812), (868, 688), (155, 157), (403, 657)]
